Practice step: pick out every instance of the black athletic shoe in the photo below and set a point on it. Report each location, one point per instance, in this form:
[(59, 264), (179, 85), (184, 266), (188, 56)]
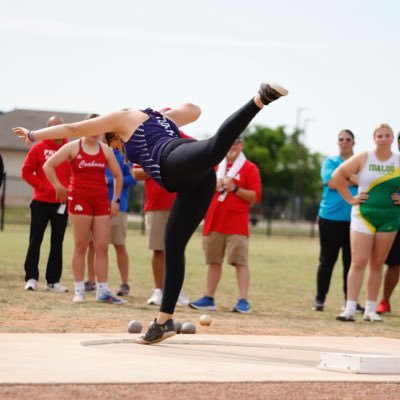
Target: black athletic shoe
[(318, 306), (270, 92), (156, 332)]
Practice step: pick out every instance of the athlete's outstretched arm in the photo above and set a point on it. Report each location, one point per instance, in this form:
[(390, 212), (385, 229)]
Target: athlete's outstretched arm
[(120, 122), (184, 114)]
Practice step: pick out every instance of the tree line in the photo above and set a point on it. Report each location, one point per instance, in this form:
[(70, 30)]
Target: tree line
[(290, 173)]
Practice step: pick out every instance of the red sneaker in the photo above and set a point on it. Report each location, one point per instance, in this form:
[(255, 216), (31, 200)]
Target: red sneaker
[(383, 307)]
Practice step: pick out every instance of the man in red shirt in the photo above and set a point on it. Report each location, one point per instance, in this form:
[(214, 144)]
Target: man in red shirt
[(45, 208), (226, 227)]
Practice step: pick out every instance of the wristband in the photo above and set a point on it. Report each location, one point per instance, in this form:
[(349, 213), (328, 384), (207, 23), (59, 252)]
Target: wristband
[(31, 136), (236, 189), (116, 200)]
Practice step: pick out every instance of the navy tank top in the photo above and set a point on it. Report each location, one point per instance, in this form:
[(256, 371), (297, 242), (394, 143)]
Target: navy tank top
[(146, 144)]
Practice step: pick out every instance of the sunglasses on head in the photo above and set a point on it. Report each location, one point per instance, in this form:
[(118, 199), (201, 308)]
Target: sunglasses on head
[(345, 139)]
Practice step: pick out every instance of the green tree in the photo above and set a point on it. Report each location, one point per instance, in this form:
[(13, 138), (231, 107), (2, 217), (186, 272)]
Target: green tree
[(289, 171)]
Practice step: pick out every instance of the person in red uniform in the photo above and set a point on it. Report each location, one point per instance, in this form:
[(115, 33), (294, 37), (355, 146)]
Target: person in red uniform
[(226, 227), (89, 207), (45, 207)]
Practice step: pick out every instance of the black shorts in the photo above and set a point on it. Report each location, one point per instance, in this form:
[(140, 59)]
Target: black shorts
[(393, 257)]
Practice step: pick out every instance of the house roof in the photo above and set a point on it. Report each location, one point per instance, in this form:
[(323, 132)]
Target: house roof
[(32, 119)]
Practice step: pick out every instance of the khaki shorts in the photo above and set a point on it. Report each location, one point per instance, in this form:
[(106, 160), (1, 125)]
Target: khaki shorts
[(155, 228), (236, 246), (118, 228)]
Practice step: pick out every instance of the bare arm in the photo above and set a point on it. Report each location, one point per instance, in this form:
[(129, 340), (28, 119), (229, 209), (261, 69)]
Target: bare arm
[(49, 167), (244, 194), (352, 180), (139, 174), (122, 123), (116, 172), (340, 178), (184, 114)]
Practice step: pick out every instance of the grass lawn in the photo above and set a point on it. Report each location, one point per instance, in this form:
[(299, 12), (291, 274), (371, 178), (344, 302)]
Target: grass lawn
[(282, 290)]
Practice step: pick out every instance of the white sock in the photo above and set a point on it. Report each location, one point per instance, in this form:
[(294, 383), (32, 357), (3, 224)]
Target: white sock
[(351, 306), (370, 306), (102, 287), (79, 287)]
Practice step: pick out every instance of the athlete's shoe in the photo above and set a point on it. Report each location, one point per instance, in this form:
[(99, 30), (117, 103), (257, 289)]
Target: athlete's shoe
[(318, 305), (242, 306), (55, 287), (270, 92), (383, 307), (79, 297), (31, 284), (156, 332), (183, 300), (345, 316), (156, 297), (90, 286), (123, 290), (204, 303), (109, 297), (372, 317)]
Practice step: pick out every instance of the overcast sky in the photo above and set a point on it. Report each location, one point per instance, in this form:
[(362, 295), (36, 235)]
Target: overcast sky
[(338, 58)]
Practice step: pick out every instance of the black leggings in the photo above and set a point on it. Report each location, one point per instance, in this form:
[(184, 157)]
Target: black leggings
[(333, 236), (187, 167)]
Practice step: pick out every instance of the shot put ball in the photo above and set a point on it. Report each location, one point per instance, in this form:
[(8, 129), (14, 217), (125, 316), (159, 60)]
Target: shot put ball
[(178, 327), (188, 328), (205, 320), (134, 326)]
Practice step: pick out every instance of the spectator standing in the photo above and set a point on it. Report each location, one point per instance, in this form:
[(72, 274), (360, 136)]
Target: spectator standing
[(375, 217), (226, 227), (45, 207), (89, 208), (334, 222)]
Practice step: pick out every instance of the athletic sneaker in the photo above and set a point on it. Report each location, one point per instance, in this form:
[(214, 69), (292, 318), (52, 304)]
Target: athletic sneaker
[(109, 297), (318, 305), (55, 287), (183, 300), (90, 286), (242, 306), (156, 297), (31, 284), (345, 316), (372, 317), (79, 297), (204, 303), (359, 309), (383, 307), (156, 332), (270, 92), (123, 290)]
